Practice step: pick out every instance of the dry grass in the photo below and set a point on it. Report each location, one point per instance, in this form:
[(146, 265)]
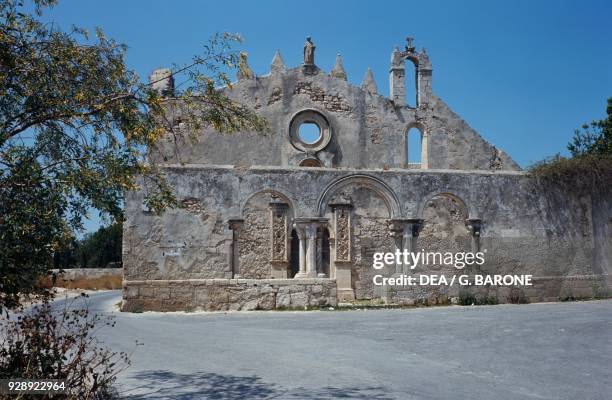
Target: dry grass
[(108, 281)]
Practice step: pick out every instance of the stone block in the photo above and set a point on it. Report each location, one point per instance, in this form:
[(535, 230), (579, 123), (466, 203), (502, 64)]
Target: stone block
[(299, 299), (130, 292), (146, 292), (162, 293), (283, 300), (267, 301)]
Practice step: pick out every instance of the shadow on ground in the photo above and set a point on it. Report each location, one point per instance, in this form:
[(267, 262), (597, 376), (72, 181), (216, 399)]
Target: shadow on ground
[(204, 385)]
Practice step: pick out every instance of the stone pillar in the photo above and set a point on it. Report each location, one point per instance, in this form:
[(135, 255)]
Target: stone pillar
[(306, 229), (311, 255), (235, 224), (474, 225), (405, 233), (342, 262), (332, 251), (279, 255), (396, 232), (411, 231), (424, 90), (299, 230), (397, 72)]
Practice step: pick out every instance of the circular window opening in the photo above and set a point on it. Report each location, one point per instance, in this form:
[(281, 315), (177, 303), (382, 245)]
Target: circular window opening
[(309, 132)]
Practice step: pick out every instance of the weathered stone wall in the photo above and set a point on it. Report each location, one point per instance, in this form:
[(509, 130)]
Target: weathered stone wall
[(370, 235), (368, 130), (259, 184), (227, 294), (560, 237), (444, 230), (254, 239)]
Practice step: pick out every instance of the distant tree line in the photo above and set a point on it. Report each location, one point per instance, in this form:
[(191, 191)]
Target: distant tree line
[(589, 168), (99, 249)]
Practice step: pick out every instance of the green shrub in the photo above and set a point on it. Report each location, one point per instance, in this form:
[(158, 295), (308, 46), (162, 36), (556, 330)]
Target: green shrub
[(469, 299), (518, 297)]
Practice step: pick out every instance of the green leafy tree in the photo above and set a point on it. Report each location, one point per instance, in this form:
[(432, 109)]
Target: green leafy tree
[(100, 248), (595, 138), (75, 124), (589, 169)]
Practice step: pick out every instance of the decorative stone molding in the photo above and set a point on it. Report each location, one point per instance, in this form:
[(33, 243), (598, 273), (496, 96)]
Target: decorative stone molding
[(306, 229), (278, 65), (342, 226), (278, 221), (314, 117), (369, 84), (279, 238), (404, 232), (338, 70)]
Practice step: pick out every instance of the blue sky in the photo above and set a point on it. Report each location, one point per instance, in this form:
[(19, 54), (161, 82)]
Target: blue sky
[(524, 74)]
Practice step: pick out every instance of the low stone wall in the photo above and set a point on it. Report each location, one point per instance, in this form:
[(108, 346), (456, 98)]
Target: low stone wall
[(227, 294), (77, 273)]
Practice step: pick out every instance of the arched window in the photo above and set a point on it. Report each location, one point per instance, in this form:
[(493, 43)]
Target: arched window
[(309, 132), (414, 148)]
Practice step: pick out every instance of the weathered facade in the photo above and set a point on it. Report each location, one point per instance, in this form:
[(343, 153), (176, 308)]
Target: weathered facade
[(292, 219)]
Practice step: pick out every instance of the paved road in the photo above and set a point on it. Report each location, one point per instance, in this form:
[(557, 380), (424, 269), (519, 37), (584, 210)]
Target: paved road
[(534, 351)]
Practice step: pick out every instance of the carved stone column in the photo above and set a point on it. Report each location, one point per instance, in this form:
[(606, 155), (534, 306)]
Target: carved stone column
[(306, 229), (412, 228), (342, 248), (235, 224), (311, 255), (474, 225), (396, 232), (404, 232), (299, 230), (279, 254), (342, 221)]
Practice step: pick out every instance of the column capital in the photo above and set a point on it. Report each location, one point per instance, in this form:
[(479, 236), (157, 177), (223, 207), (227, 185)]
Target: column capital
[(341, 200), (278, 204), (305, 222), (413, 227), (311, 231), (404, 227)]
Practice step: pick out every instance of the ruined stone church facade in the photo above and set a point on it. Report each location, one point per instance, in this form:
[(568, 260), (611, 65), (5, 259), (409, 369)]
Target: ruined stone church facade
[(292, 218)]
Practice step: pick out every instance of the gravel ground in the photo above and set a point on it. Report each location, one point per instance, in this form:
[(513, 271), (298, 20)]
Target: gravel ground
[(533, 351)]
